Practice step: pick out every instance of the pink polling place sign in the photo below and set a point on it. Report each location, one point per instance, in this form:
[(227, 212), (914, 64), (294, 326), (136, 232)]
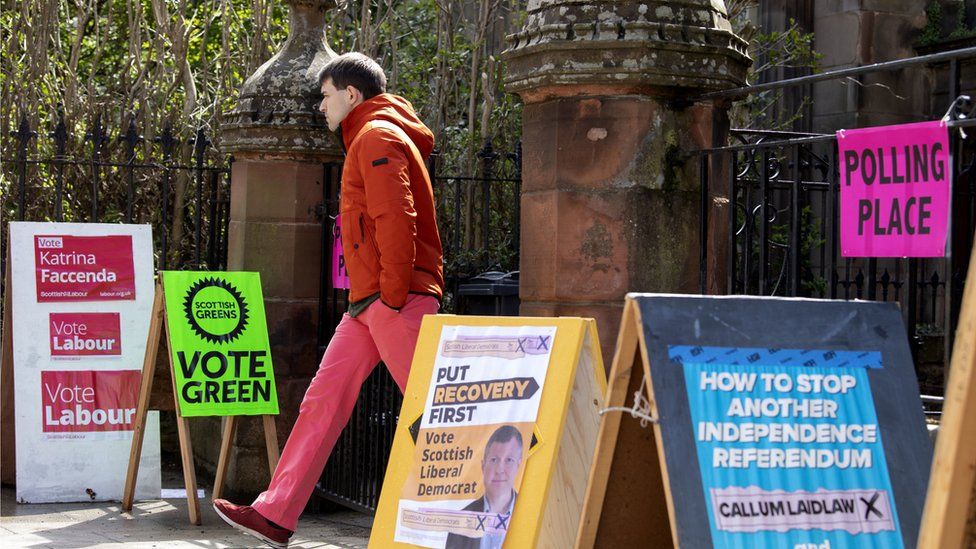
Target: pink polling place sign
[(340, 278), (894, 190)]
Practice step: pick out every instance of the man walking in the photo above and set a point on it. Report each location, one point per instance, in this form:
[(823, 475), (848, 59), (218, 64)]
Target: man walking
[(393, 257)]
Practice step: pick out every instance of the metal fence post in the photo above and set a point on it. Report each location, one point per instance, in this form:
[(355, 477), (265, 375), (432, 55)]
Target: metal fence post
[(225, 227), (832, 192), (517, 224), (212, 244), (796, 221), (703, 226), (733, 253), (200, 143), (487, 155), (98, 137), (33, 197), (168, 142), (23, 134), (60, 136), (325, 278), (763, 224), (131, 139)]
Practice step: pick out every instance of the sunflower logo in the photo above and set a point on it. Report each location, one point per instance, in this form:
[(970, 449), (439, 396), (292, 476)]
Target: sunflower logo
[(216, 310)]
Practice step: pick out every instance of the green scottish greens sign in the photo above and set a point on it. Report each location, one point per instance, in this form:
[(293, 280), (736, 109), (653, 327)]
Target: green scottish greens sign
[(218, 338)]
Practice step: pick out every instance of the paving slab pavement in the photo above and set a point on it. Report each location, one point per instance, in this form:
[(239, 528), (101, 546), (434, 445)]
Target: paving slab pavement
[(158, 523)]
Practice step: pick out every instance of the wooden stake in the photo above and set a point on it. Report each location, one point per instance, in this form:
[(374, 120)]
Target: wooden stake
[(271, 442), (618, 382), (229, 429), (948, 505), (145, 390), (186, 443)]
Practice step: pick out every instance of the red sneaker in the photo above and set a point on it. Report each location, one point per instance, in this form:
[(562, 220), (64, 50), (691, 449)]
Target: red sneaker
[(249, 521)]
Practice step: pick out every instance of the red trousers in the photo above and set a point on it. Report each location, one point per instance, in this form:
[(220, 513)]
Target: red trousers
[(378, 333)]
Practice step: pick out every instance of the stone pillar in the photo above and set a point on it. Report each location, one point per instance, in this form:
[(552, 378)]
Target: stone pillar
[(610, 200), (279, 140)]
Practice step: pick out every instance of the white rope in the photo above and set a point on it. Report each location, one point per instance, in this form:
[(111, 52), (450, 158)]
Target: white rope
[(640, 410)]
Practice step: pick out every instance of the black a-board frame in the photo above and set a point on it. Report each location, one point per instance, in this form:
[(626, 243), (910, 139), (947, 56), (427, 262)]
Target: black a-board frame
[(648, 479)]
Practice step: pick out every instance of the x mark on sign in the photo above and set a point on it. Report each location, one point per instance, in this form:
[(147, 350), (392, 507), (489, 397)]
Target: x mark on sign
[(502, 521), (542, 345), (481, 522), (869, 506)]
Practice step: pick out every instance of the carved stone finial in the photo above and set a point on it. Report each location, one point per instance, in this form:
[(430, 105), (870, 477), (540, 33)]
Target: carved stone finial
[(277, 112), (624, 46)]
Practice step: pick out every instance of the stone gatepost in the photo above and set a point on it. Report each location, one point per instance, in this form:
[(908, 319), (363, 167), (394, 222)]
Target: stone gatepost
[(280, 141), (610, 199)]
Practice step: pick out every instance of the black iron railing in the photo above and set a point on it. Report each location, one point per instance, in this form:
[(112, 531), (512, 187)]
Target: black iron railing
[(781, 224), (478, 220), (478, 217), (92, 176)]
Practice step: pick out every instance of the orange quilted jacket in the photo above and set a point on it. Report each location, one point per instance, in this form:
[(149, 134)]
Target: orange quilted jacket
[(389, 227)]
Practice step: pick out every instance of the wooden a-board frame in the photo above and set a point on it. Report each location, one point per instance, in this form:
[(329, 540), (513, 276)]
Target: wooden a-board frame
[(548, 509), (157, 325), (642, 488), (949, 505), (639, 480)]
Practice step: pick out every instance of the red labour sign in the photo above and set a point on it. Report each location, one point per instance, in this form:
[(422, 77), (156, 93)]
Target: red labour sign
[(89, 401), (84, 268), (85, 334)]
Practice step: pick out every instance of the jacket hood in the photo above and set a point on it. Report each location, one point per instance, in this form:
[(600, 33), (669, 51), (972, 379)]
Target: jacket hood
[(391, 108)]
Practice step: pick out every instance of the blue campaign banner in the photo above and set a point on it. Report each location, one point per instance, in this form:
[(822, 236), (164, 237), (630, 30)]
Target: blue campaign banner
[(789, 447)]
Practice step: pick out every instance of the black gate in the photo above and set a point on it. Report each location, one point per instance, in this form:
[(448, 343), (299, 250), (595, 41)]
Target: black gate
[(478, 220)]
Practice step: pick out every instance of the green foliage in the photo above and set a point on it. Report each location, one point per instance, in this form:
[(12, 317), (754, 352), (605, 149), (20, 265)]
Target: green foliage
[(187, 64), (946, 20), (789, 48), (182, 62), (772, 51), (932, 32)]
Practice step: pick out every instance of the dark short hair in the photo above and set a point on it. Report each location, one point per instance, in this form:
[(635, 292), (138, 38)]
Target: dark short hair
[(356, 70), (504, 434)]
